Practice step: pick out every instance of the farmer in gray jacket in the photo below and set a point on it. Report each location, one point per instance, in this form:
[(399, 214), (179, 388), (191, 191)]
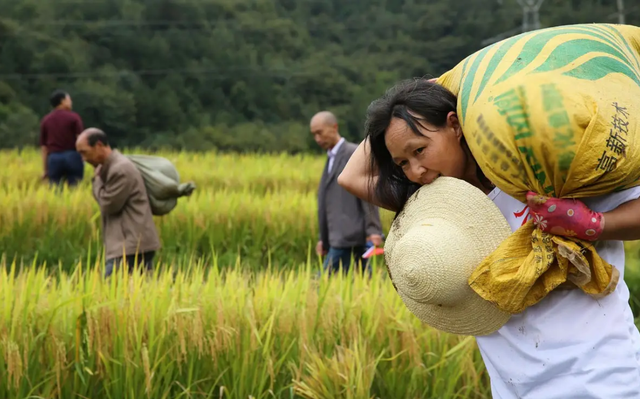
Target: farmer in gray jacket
[(346, 222), (128, 228)]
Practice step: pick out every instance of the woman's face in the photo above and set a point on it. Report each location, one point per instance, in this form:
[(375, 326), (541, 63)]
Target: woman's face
[(437, 152)]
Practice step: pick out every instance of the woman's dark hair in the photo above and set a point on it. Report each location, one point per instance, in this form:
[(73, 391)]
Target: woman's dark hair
[(414, 101)]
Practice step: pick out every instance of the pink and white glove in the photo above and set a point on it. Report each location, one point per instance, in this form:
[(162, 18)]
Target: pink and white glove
[(565, 217)]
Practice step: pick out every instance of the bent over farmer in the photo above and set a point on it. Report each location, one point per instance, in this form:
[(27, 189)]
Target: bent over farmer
[(128, 227)]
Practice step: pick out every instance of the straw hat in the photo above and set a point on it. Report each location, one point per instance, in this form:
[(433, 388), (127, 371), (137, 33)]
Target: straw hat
[(443, 233)]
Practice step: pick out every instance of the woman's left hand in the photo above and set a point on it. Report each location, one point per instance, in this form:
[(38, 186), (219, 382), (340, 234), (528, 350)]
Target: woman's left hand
[(565, 217)]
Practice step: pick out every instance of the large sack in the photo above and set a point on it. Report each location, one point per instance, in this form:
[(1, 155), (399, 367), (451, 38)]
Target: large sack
[(162, 182), (554, 111)]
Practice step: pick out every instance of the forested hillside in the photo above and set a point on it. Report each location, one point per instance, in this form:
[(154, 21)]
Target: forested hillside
[(237, 74)]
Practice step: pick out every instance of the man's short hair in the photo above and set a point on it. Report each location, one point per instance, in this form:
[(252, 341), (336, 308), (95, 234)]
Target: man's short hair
[(96, 136), (57, 97)]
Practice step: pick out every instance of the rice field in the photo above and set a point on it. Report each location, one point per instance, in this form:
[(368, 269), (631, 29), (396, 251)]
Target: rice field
[(235, 308), (261, 208), (223, 335)]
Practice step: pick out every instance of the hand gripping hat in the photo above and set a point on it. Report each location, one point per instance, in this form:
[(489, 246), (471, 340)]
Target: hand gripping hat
[(443, 233)]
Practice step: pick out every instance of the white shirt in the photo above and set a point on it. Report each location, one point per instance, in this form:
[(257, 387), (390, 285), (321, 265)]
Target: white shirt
[(333, 152), (568, 346)]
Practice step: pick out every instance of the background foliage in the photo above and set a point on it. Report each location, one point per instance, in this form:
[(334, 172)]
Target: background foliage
[(243, 75)]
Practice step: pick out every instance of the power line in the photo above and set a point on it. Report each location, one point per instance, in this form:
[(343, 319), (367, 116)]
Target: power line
[(222, 73), (32, 27), (123, 22), (108, 23), (22, 32)]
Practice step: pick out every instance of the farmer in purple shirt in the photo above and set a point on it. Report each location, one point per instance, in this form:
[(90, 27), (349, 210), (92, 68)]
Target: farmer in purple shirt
[(58, 133)]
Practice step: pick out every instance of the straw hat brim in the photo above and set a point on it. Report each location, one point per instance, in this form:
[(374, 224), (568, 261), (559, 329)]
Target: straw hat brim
[(476, 227)]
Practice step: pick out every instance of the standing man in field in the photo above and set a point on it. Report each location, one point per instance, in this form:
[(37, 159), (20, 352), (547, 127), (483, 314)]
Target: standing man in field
[(346, 222), (58, 133), (127, 223)]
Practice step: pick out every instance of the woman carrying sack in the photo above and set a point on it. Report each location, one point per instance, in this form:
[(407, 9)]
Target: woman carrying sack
[(549, 113)]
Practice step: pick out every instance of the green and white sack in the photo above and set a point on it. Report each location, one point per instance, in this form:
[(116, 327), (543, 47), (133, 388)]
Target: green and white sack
[(162, 182)]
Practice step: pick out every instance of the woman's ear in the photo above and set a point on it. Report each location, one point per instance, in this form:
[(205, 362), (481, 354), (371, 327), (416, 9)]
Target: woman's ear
[(454, 123)]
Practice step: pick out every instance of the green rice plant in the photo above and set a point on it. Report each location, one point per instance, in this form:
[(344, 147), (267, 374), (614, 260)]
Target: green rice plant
[(234, 309), (281, 227), (210, 171), (259, 207), (222, 333)]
